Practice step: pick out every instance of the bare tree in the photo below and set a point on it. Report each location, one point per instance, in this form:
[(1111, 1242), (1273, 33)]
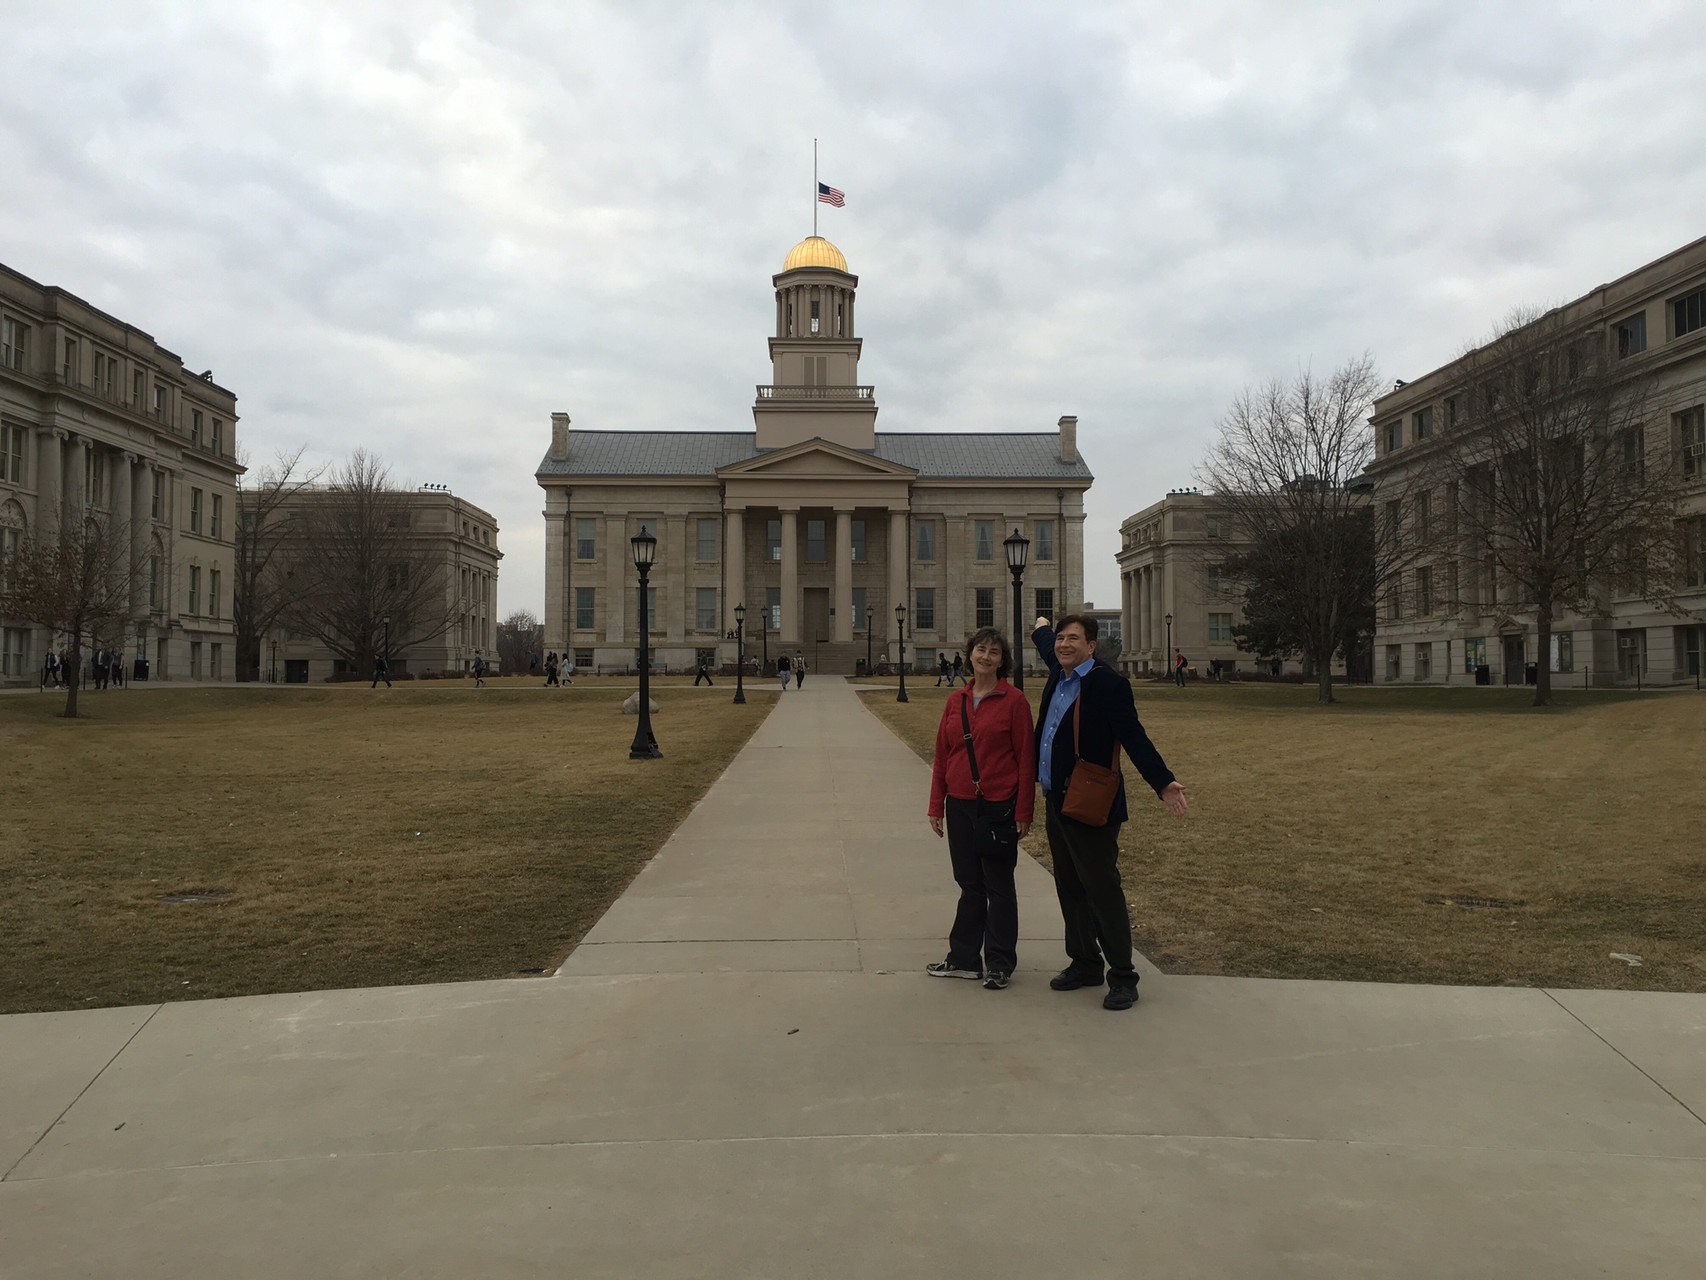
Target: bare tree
[(358, 565), (519, 637), (263, 588), (1285, 472), (77, 579), (1560, 490)]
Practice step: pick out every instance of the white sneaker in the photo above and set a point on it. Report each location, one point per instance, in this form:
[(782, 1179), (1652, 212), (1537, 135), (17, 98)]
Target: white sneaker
[(942, 969)]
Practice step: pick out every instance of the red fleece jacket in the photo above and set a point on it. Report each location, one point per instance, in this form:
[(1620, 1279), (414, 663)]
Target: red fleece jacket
[(1006, 747)]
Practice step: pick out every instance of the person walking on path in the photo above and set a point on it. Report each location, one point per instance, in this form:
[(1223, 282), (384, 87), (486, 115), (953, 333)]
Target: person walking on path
[(1087, 712), (784, 670), (983, 786), (381, 671), (944, 672), (800, 672), (533, 663), (959, 670), (550, 668), (118, 667), (479, 670), (704, 673), (1179, 665)]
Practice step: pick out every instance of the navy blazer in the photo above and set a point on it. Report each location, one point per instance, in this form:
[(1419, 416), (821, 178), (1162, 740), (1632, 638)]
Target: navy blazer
[(1109, 722)]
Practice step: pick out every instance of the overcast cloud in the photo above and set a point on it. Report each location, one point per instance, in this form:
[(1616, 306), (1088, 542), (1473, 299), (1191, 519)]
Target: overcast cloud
[(421, 228)]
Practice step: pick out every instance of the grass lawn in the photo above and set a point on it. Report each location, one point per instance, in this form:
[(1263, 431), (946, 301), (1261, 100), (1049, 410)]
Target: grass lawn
[(427, 833), (1360, 841)]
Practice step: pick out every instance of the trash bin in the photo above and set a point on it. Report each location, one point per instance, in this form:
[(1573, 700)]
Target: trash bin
[(1483, 674), (140, 670), (1530, 674)]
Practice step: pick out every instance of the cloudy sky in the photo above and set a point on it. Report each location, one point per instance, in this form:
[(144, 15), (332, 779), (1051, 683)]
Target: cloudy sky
[(422, 227)]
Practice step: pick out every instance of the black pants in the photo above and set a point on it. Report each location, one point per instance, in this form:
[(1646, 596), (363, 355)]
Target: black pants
[(986, 923), (1092, 899), (705, 676)]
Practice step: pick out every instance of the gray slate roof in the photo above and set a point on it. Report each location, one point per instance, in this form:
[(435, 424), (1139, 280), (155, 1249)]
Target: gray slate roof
[(935, 455)]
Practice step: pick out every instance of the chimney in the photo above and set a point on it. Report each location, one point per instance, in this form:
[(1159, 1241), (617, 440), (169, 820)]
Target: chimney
[(1069, 439), (560, 437)]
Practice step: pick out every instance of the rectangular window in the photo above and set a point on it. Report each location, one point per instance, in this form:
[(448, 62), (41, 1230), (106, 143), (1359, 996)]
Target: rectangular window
[(1450, 412), (858, 538), (195, 660), (985, 600), (217, 520), (1424, 593), (707, 549), (1424, 517), (859, 599), (1394, 522), (1424, 661), (1395, 598), (1394, 436), (159, 493), (583, 659), (160, 403), (397, 578), (195, 510), (773, 608), (218, 444), (1634, 460), (586, 539), (924, 610), (1691, 439), (1422, 423), (1218, 582), (213, 593), (195, 591), (153, 582), (1045, 602), (1688, 313), (1632, 335), (195, 427), (1394, 661), (815, 541), (986, 539), (654, 620), (705, 608), (926, 539), (1694, 553), (1215, 527), (14, 653), (1474, 654), (1044, 549), (1563, 657), (585, 602), (216, 661), (1631, 653), (14, 343), (773, 539), (12, 454), (9, 539), (1220, 628), (136, 391), (98, 363), (68, 367)]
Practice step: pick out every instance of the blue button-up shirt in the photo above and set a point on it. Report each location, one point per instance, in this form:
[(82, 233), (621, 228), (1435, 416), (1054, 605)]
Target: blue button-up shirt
[(1065, 694)]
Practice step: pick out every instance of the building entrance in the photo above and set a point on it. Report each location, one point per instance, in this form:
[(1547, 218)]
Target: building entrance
[(816, 629), (1515, 661)]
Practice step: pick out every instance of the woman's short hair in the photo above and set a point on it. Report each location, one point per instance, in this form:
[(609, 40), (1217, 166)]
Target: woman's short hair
[(989, 635)]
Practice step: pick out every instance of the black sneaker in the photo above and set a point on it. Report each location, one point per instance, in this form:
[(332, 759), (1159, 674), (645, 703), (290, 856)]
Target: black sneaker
[(995, 980), (1120, 998), (943, 969), (1070, 979)]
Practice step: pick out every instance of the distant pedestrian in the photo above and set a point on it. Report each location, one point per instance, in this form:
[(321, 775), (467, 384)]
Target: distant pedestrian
[(704, 673), (784, 670), (800, 672), (533, 663), (944, 672), (551, 669), (959, 670), (1179, 665), (479, 670), (381, 671), (118, 667)]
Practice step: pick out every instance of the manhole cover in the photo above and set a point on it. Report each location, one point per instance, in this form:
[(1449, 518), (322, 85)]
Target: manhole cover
[(1475, 904), (195, 898)]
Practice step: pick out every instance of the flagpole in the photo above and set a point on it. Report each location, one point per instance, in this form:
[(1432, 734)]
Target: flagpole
[(814, 186)]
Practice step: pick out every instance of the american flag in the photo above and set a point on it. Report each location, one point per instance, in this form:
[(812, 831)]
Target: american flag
[(827, 194)]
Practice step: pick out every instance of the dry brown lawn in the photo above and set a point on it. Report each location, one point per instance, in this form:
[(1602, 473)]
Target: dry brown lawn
[(1364, 841), (429, 833)]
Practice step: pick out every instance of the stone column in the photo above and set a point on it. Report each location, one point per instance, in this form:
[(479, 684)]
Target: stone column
[(734, 564), (899, 556), (559, 618), (1128, 618), (118, 503), (50, 479), (843, 552), (618, 570), (674, 582), (77, 475), (790, 633), (951, 600), (140, 526)]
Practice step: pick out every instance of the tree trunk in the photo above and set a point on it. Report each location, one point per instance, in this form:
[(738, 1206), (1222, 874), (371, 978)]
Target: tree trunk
[(73, 675), (1543, 659)]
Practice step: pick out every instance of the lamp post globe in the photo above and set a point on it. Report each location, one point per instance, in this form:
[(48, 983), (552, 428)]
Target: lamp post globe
[(645, 746), (740, 654), (1018, 551), (900, 632)]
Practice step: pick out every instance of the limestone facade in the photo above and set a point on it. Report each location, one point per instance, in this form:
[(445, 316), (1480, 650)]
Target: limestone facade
[(96, 415), (815, 521)]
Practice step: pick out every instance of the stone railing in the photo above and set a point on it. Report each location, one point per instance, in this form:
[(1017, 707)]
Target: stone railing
[(775, 392)]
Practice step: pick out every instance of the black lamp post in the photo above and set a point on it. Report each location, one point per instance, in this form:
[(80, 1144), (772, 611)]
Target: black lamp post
[(386, 651), (740, 655), (274, 660), (1018, 550), (900, 630), (1168, 619), (868, 612), (645, 746), (764, 636)]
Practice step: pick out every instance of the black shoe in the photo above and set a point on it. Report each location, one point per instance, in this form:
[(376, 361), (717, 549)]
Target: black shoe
[(1120, 998), (995, 980), (1070, 979)]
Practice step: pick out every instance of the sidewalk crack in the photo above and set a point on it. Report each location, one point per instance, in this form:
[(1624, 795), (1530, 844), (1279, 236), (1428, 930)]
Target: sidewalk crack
[(1649, 1075)]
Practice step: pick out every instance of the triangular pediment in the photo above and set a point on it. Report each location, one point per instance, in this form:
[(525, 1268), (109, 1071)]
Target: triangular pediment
[(817, 458)]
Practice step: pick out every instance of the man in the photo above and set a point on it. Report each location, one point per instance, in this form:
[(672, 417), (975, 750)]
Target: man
[(1179, 666), (1086, 858), (381, 671), (800, 671), (479, 670), (704, 674)]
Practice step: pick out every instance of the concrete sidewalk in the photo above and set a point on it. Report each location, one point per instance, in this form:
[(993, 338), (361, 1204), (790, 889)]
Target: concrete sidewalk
[(744, 1072)]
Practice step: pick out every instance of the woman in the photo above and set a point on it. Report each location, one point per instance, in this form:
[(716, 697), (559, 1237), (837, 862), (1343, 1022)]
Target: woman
[(984, 789), (784, 671)]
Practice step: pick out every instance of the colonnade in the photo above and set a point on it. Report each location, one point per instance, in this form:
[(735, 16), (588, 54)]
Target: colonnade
[(1145, 601)]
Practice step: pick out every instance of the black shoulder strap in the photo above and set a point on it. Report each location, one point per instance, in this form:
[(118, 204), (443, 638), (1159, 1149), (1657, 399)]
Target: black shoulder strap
[(971, 756)]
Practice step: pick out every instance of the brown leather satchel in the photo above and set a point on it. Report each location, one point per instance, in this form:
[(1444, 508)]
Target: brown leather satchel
[(1091, 789)]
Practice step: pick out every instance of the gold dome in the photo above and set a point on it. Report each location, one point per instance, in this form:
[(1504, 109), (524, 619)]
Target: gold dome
[(815, 251)]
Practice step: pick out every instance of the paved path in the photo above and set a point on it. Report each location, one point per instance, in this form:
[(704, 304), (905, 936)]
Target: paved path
[(743, 1072)]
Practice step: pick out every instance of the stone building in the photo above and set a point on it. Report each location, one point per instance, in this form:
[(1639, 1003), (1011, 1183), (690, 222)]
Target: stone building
[(816, 521), (1653, 321), (97, 416), (448, 537)]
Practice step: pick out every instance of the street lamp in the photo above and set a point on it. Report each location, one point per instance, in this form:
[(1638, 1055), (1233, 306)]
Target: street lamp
[(900, 630), (645, 746), (1168, 619), (386, 651), (740, 654), (868, 612), (274, 679), (1018, 550)]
